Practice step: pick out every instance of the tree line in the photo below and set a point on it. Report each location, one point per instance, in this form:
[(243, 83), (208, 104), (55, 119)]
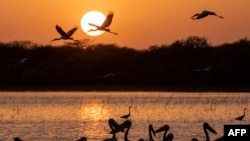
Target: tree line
[(187, 64)]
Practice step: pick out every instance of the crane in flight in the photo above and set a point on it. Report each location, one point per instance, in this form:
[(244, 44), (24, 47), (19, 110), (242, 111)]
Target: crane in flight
[(64, 35), (204, 14), (105, 24)]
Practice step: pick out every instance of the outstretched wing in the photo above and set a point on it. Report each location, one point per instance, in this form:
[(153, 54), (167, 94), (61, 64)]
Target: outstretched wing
[(60, 31), (94, 25), (108, 20), (71, 32)]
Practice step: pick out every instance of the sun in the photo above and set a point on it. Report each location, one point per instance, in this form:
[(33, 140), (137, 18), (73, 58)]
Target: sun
[(94, 17)]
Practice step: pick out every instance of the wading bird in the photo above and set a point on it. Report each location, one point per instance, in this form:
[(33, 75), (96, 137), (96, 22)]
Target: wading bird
[(166, 137), (206, 127), (240, 118), (64, 35), (204, 14), (115, 127), (126, 116), (150, 131), (105, 24)]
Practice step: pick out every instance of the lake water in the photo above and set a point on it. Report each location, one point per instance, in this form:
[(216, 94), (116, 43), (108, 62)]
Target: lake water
[(67, 116)]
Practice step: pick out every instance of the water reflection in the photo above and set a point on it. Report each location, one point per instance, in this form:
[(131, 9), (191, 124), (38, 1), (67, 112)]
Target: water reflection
[(93, 112), (53, 116)]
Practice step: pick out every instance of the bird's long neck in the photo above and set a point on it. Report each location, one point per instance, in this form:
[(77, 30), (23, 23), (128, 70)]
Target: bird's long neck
[(150, 135), (164, 136), (206, 133), (244, 112)]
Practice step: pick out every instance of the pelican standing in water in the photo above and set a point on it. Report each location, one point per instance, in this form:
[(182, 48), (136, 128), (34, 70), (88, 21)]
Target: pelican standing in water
[(150, 131), (64, 35), (204, 14), (115, 127), (206, 127), (166, 137), (105, 24), (128, 115), (240, 118)]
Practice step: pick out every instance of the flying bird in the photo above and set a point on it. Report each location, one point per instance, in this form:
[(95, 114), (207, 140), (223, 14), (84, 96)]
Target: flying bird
[(204, 14), (24, 60), (241, 117), (64, 35), (126, 116), (206, 69), (105, 24)]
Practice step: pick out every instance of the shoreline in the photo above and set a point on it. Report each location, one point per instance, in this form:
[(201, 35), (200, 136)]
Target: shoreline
[(125, 88)]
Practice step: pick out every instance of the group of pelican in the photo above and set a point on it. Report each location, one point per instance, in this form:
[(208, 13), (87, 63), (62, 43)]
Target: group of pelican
[(126, 125), (108, 21)]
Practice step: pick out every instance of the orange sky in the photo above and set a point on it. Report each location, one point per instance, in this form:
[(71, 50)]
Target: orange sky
[(139, 23)]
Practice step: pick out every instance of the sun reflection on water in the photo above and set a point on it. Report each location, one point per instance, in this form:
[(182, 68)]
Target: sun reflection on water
[(93, 112)]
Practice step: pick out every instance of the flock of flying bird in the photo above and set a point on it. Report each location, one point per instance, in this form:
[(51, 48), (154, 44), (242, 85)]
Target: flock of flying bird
[(108, 21), (115, 128), (127, 124)]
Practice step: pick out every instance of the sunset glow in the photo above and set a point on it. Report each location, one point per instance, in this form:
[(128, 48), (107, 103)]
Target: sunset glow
[(140, 23), (94, 17)]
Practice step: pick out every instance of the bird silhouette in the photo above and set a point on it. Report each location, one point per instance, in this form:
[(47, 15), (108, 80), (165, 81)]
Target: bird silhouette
[(17, 139), (64, 35), (126, 116), (24, 60), (150, 131), (105, 24), (166, 137), (204, 14), (240, 118), (82, 139), (206, 127), (206, 69)]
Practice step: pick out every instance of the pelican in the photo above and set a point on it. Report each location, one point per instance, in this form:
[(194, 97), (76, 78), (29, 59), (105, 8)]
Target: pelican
[(165, 128), (64, 35), (82, 139), (126, 116), (17, 139), (119, 128), (111, 139), (105, 24), (240, 118), (204, 14), (150, 130), (206, 127)]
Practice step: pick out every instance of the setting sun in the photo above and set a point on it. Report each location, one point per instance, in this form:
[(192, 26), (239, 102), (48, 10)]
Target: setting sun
[(94, 17)]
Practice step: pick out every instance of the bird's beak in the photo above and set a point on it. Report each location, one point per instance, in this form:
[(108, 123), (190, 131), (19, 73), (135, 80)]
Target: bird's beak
[(160, 129), (211, 129)]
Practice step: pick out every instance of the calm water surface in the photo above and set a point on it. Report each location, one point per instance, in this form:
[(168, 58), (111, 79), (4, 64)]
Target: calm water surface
[(67, 116)]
